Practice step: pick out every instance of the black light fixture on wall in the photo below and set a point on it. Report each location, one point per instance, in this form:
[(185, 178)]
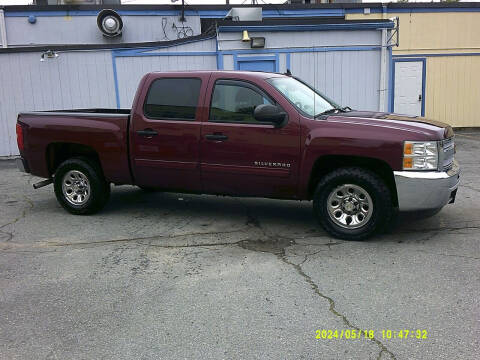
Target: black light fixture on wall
[(257, 42)]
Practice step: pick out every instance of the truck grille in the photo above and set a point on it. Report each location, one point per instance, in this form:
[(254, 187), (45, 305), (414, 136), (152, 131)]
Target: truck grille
[(447, 153)]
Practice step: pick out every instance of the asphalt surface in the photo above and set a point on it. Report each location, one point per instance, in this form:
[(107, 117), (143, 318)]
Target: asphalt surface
[(172, 276)]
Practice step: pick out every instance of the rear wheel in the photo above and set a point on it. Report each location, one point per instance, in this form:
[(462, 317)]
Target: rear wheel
[(80, 186), (352, 203)]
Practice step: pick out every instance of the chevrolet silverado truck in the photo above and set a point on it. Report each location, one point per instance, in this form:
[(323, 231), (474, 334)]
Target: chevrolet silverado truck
[(245, 134)]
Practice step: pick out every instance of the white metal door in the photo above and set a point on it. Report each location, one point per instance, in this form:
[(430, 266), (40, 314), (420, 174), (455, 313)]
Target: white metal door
[(408, 87)]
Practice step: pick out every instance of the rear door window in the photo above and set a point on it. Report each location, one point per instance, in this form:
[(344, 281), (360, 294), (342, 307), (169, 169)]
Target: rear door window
[(173, 98)]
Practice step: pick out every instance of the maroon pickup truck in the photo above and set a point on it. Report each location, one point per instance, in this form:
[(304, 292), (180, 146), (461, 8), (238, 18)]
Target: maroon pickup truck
[(245, 134)]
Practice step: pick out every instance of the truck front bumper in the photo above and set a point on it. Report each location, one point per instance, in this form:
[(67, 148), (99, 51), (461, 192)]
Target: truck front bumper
[(418, 190)]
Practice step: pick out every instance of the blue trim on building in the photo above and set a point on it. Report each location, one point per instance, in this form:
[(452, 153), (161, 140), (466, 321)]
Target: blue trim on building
[(202, 13), (312, 27), (219, 56), (178, 53), (436, 55), (219, 61), (390, 80), (424, 77), (238, 59), (267, 13), (262, 54), (115, 79), (306, 49)]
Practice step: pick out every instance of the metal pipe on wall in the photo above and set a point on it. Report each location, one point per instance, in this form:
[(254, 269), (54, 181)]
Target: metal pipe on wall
[(382, 104)]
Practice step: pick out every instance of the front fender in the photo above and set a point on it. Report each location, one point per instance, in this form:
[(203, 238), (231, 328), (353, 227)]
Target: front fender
[(359, 142)]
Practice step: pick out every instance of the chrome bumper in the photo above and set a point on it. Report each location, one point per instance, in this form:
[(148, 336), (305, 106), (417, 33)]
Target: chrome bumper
[(418, 190)]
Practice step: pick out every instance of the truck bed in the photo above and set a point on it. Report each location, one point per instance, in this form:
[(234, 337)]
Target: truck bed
[(101, 131)]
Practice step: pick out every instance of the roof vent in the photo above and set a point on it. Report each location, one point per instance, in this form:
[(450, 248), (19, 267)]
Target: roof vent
[(245, 14)]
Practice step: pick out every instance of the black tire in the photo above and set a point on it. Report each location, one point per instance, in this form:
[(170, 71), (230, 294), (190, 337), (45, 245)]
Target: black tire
[(370, 182), (99, 188)]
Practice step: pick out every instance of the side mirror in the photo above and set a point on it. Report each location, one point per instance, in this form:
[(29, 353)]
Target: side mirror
[(269, 113)]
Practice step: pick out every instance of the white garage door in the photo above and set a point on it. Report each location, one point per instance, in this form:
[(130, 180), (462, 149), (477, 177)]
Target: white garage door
[(408, 87)]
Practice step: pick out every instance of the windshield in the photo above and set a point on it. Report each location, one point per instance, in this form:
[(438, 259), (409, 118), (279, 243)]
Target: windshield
[(303, 97)]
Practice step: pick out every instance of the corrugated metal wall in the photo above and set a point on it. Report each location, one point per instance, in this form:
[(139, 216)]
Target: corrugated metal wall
[(452, 77), (302, 39), (131, 69), (453, 89), (332, 61), (84, 30), (82, 79), (430, 31), (86, 79), (73, 80), (132, 65), (348, 77)]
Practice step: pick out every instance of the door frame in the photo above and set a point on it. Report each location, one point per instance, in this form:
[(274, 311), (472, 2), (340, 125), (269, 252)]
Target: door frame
[(424, 75), (238, 59)]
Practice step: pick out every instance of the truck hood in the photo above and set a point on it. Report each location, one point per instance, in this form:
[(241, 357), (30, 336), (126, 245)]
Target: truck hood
[(403, 121)]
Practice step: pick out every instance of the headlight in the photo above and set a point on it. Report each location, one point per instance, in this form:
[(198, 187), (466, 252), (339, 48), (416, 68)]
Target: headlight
[(420, 155)]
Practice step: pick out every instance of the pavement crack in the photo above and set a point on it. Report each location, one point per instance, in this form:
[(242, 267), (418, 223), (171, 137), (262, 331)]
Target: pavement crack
[(449, 255), (17, 219), (276, 245), (446, 228), (346, 321), (146, 241), (139, 239)]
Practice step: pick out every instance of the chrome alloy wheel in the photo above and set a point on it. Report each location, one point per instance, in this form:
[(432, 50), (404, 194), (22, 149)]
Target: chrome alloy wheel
[(76, 187), (349, 206)]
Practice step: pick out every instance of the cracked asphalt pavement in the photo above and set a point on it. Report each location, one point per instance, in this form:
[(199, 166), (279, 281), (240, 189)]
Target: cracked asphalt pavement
[(170, 276)]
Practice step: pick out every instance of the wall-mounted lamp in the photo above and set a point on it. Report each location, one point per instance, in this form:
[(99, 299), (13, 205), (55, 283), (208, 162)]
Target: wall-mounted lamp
[(245, 36), (49, 54), (257, 42), (110, 23)]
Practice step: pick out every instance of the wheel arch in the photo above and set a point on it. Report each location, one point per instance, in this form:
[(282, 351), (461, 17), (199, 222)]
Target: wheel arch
[(58, 152), (327, 163)]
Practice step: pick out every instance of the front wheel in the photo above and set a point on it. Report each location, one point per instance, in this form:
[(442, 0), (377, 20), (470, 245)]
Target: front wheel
[(80, 186), (352, 203)]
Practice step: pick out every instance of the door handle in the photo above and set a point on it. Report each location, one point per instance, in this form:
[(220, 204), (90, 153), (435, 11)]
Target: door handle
[(216, 137), (147, 132)]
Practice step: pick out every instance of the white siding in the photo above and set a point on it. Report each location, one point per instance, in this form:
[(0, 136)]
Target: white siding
[(73, 80), (302, 39), (131, 69), (348, 77), (84, 30), (82, 79)]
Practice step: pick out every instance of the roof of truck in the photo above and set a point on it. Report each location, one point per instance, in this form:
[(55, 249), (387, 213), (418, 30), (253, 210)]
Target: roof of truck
[(243, 74)]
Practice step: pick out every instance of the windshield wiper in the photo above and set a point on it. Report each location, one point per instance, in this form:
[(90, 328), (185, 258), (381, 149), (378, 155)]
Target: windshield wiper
[(334, 111), (329, 111)]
